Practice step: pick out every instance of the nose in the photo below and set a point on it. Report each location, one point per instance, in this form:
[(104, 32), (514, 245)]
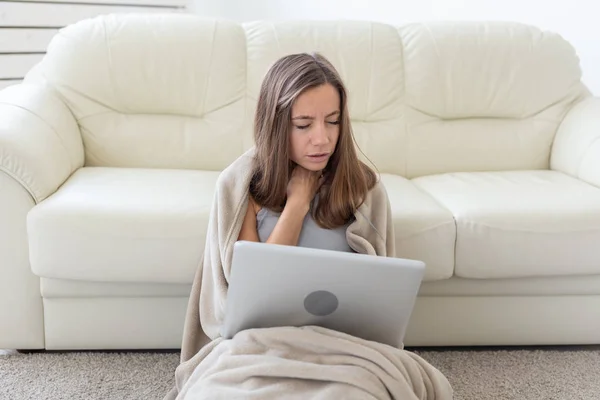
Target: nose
[(320, 136)]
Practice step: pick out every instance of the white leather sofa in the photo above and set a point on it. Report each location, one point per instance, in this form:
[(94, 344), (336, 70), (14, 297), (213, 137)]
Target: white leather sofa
[(485, 136)]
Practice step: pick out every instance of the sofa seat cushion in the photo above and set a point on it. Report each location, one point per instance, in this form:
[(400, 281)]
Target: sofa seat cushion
[(123, 225), (515, 224), (149, 226), (424, 230)]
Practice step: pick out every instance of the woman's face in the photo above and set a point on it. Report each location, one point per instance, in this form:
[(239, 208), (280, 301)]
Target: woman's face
[(315, 127)]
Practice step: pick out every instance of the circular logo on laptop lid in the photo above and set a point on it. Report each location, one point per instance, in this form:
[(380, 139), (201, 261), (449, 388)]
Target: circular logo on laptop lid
[(321, 303)]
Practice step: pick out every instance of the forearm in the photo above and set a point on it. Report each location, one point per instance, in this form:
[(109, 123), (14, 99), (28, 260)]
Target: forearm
[(288, 227)]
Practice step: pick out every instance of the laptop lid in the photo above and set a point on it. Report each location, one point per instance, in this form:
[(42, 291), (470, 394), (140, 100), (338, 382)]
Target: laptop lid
[(370, 297)]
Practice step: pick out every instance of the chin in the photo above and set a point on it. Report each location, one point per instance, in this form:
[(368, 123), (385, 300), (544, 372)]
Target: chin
[(314, 166)]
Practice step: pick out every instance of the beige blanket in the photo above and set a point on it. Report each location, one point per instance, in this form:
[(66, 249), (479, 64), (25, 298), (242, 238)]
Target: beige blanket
[(273, 363)]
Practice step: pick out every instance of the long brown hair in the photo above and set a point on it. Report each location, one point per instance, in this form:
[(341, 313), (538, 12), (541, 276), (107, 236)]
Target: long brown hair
[(347, 179)]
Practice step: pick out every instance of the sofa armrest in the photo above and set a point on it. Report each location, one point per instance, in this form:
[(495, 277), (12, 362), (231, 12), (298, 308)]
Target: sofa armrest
[(576, 148), (40, 140)]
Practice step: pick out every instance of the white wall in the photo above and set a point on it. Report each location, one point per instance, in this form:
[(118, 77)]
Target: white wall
[(578, 21)]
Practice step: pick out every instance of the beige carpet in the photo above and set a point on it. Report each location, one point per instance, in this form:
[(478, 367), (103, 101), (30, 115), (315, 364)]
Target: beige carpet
[(524, 374)]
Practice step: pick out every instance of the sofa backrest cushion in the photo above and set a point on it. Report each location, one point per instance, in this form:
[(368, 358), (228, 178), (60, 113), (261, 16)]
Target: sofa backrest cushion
[(163, 91), (484, 96), (179, 91)]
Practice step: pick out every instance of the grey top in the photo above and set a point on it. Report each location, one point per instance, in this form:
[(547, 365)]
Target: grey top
[(311, 235)]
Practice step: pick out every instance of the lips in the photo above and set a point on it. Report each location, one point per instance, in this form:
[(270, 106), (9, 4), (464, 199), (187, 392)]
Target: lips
[(318, 157)]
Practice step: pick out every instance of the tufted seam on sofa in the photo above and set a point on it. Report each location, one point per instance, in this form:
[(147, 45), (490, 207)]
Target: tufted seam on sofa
[(20, 182), (207, 79), (403, 103), (113, 86), (52, 129)]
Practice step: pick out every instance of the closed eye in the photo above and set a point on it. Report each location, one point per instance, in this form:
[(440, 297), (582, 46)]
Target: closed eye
[(308, 125)]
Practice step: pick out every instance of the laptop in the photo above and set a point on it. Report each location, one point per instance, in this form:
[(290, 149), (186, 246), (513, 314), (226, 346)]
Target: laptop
[(369, 297)]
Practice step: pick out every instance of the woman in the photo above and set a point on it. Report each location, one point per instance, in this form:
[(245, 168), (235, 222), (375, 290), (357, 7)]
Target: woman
[(304, 146), (301, 185)]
